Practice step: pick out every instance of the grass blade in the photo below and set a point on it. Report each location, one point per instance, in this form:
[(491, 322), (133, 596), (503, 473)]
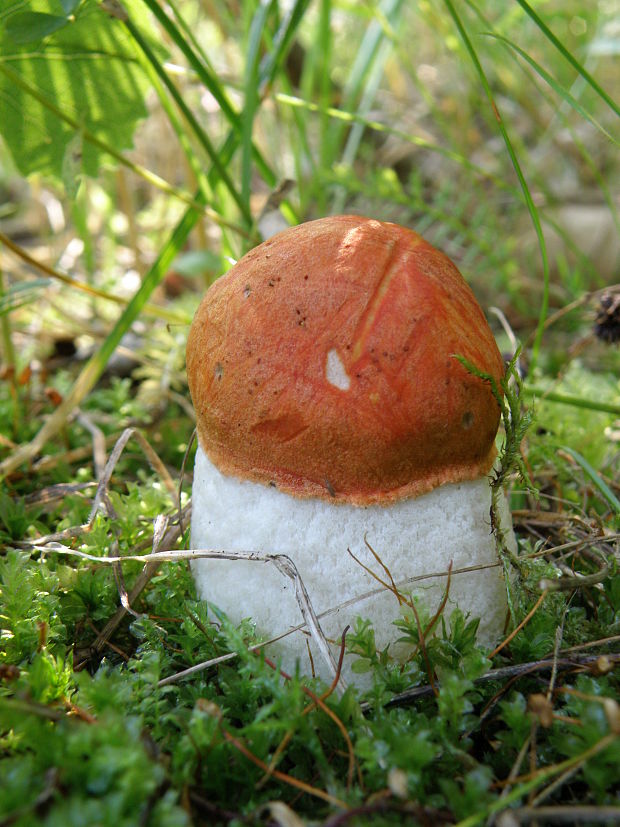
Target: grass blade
[(251, 98), (557, 87), (538, 778), (347, 116), (600, 483), (575, 401), (95, 366), (204, 73), (524, 187), (355, 136), (197, 129), (150, 309), (365, 58), (17, 295), (282, 41), (211, 82), (588, 265), (568, 56)]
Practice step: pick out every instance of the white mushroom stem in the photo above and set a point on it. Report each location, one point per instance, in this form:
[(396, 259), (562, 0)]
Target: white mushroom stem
[(415, 539)]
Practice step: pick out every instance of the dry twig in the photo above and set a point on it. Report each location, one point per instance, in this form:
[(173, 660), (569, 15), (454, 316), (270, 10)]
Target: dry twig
[(579, 662), (561, 814)]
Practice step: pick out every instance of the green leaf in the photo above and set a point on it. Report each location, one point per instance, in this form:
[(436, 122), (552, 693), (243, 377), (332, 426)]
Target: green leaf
[(85, 69), (361, 666), (14, 520), (516, 721), (30, 26), (48, 677)]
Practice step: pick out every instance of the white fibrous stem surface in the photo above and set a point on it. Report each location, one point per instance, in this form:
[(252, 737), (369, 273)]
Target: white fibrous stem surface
[(415, 539)]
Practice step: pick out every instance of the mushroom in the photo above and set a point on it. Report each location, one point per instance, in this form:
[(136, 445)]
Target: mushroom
[(333, 417)]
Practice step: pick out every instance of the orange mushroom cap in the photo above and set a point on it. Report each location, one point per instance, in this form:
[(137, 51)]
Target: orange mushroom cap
[(324, 363)]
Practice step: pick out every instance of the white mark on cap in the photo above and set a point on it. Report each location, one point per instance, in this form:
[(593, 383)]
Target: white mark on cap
[(335, 373)]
